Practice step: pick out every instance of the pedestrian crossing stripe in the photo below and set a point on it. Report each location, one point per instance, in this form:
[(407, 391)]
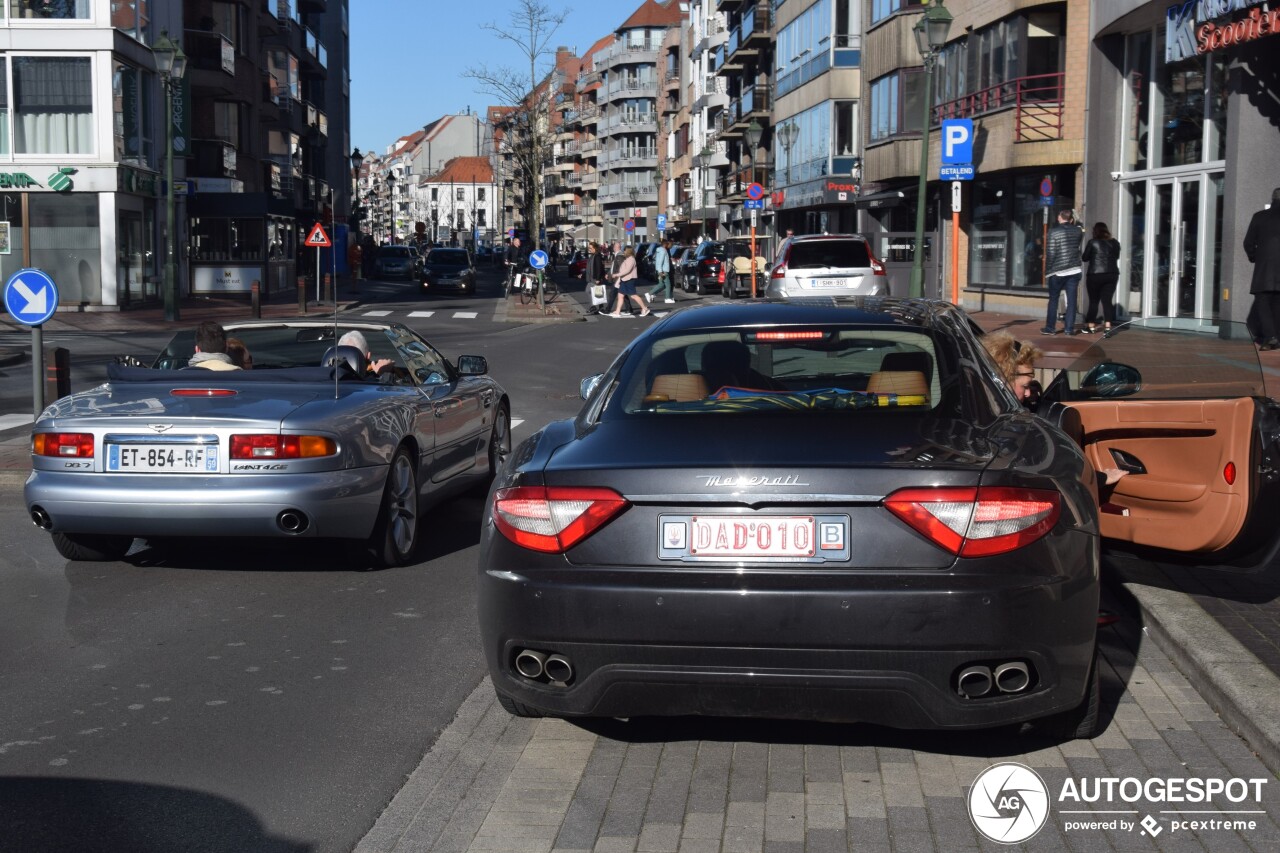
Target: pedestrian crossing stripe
[(421, 313), (377, 313), (465, 315), (515, 422)]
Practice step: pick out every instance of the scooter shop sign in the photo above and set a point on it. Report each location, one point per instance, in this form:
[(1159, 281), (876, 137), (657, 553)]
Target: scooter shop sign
[(1010, 803), (1197, 26)]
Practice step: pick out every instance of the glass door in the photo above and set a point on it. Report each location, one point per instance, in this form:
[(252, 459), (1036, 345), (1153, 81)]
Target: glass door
[(1175, 278)]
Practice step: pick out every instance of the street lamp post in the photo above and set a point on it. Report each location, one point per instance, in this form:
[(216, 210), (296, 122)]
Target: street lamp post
[(788, 134), (171, 65), (635, 197), (931, 34), (356, 159), (391, 202), (703, 159), (754, 131)]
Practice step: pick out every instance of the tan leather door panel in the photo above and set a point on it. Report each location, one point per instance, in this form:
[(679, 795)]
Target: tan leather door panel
[(1184, 502)]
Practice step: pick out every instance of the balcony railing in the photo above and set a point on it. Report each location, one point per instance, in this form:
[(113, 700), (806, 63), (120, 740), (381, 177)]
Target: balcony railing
[(1037, 102)]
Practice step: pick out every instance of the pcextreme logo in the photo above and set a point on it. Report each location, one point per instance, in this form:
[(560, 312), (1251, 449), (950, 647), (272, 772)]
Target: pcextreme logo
[(1009, 803)]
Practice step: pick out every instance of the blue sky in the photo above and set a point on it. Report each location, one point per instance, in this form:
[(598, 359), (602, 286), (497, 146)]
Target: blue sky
[(408, 57)]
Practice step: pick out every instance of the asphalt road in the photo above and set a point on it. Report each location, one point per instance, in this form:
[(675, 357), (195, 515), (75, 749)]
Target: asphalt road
[(227, 697)]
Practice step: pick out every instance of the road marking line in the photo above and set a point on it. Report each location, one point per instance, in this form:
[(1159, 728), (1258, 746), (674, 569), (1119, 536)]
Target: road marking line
[(464, 315), (421, 313), (515, 422), (376, 313)]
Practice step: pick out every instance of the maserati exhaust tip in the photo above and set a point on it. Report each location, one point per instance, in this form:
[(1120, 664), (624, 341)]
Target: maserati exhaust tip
[(40, 518), (1012, 677), (293, 521), (529, 663), (558, 669), (974, 681)]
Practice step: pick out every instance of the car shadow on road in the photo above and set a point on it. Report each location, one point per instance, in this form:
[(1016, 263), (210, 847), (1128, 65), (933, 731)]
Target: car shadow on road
[(106, 816)]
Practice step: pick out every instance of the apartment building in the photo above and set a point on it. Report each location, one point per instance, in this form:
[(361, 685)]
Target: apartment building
[(581, 119), (1016, 71)]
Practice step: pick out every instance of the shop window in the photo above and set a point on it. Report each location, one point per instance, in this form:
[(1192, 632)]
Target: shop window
[(12, 235), (50, 9), (1137, 101), (215, 238), (52, 105), (66, 243), (989, 233)]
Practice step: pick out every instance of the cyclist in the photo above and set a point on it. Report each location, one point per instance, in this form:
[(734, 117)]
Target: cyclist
[(517, 262)]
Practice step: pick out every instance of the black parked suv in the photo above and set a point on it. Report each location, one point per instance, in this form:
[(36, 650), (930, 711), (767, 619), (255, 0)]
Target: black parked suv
[(702, 269)]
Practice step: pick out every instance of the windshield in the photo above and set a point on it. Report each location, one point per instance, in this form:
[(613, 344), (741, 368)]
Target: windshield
[(1176, 359), (820, 368), (451, 257)]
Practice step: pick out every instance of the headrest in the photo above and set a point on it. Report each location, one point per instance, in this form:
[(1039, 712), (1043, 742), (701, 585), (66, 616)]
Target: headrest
[(345, 356), (677, 387), (900, 382), (919, 361)]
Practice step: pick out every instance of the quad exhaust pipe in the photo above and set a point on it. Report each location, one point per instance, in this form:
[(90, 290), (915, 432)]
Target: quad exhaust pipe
[(980, 680), (534, 665), (40, 518)]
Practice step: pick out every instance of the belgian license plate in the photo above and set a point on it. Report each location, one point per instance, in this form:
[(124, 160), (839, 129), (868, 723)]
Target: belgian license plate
[(162, 458), (800, 538)]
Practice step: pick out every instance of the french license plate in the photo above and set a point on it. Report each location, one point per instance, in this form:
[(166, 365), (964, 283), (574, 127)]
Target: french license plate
[(805, 538), (162, 458)]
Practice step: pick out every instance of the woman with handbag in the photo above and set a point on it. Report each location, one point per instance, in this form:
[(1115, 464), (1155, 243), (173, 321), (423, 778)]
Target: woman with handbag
[(626, 277), (595, 277)]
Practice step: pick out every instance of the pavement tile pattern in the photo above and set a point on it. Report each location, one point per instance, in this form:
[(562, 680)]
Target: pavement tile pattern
[(499, 783)]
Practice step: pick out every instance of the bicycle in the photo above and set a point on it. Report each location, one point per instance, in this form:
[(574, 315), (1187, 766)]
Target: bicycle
[(534, 280)]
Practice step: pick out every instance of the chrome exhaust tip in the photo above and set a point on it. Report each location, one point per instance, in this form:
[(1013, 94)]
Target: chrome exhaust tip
[(974, 681), (529, 663), (293, 521), (558, 669), (40, 518), (1012, 677)]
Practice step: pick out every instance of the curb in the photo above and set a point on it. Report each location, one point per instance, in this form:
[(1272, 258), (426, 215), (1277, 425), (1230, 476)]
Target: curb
[(1235, 683)]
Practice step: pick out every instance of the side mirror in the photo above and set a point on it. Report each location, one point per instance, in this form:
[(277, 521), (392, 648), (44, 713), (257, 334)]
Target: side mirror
[(472, 365), (1111, 379), (589, 384)]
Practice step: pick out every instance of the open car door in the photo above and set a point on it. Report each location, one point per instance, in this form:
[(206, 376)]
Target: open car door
[(1182, 407)]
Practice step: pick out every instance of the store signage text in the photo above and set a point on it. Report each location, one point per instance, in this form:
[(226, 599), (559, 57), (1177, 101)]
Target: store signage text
[(1190, 29), (17, 181)]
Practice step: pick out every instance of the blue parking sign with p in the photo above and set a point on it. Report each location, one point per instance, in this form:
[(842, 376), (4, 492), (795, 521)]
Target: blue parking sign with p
[(957, 140)]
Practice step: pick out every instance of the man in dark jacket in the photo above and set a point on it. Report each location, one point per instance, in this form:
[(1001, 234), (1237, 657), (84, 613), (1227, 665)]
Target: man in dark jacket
[(1062, 270), (1262, 245)]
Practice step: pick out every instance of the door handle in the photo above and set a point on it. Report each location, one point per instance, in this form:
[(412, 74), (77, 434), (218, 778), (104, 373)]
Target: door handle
[(1127, 462)]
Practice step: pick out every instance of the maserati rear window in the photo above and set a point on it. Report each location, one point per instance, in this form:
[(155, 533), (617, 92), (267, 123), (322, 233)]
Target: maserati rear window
[(786, 369)]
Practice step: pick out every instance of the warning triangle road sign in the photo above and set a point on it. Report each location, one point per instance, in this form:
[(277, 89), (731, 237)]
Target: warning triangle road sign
[(317, 238)]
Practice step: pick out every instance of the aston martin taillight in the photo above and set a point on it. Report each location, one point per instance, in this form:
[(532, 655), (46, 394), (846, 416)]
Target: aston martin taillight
[(552, 519), (274, 446), (65, 445), (977, 522)]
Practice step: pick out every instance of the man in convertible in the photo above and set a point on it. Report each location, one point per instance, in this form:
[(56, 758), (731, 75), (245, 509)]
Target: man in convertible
[(211, 348)]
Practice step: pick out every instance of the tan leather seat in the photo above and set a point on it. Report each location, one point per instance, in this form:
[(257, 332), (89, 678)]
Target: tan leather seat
[(899, 382), (679, 387)]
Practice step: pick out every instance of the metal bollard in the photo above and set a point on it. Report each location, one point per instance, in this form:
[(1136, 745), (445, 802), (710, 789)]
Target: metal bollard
[(255, 299), (57, 373), (328, 288), (302, 294)]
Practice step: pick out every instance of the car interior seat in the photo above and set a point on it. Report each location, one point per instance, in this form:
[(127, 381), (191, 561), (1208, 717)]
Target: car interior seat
[(918, 361), (677, 387), (346, 357), (728, 364), (900, 382)]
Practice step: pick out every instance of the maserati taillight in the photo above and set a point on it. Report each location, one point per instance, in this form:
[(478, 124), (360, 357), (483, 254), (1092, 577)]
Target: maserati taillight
[(977, 521), (552, 519)]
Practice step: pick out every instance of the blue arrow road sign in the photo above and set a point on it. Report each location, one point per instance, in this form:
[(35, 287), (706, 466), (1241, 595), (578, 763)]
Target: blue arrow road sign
[(31, 297), (537, 259)]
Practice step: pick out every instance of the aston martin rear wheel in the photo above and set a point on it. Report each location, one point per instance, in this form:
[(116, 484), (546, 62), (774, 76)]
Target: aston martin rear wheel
[(396, 532), (91, 548)]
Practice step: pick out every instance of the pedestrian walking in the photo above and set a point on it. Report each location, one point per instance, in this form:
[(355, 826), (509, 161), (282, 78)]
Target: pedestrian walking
[(1062, 270), (596, 280), (1262, 245), (626, 277), (1102, 259), (662, 269)]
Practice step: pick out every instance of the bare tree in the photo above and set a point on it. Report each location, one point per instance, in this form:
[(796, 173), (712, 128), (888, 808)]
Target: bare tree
[(530, 30)]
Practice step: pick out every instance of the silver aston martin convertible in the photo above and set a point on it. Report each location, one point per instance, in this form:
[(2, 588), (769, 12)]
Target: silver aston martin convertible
[(309, 443)]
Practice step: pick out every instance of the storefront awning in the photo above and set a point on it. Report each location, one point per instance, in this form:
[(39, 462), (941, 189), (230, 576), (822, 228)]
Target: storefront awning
[(888, 198)]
